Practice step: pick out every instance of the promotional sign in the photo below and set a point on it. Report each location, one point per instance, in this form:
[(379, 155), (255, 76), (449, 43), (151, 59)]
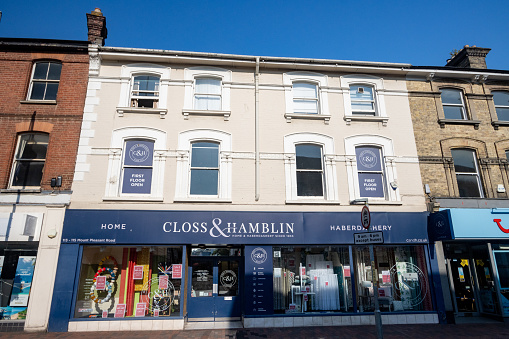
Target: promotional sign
[(220, 227), (176, 272), (100, 283), (138, 272), (120, 311), (137, 180), (22, 281), (258, 275), (140, 310), (369, 167), (138, 153), (105, 314), (163, 282)]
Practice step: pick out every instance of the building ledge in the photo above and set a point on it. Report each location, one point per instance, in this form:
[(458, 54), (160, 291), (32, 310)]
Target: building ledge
[(161, 111), (377, 202), (133, 199), (39, 102), (367, 118), (21, 190), (444, 122), (324, 117), (312, 202), (496, 124), (202, 200), (187, 112), (451, 202)]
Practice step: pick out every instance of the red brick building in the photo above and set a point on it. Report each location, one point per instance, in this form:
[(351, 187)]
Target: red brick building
[(41, 110)]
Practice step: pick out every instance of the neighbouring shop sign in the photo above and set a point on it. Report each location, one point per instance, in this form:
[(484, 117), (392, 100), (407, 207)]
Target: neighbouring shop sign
[(178, 227)]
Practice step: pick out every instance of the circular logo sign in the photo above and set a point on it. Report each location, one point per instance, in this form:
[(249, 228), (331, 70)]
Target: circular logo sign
[(156, 297), (410, 284), (440, 223), (259, 255), (368, 158), (139, 153), (228, 278)]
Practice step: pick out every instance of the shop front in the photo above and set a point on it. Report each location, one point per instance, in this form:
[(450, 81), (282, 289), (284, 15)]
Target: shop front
[(475, 246), (159, 269)]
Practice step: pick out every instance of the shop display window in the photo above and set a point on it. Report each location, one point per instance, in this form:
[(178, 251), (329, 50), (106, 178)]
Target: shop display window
[(17, 266), (117, 282), (312, 279), (401, 275)]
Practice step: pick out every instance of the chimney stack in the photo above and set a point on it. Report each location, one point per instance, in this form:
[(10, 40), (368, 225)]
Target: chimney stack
[(96, 24), (470, 57)]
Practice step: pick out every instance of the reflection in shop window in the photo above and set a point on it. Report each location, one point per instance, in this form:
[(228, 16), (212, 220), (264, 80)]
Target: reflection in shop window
[(311, 279), (129, 282), (402, 279)]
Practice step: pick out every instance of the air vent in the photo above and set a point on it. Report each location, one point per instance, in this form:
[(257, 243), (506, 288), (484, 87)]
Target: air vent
[(360, 90)]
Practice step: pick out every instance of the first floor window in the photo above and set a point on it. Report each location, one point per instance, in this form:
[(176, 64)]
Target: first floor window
[(309, 170), (29, 160), (204, 168), (137, 166), (207, 94), (501, 100), (467, 173), (45, 80), (370, 171)]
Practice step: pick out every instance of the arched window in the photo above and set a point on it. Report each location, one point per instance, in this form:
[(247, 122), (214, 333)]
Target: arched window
[(309, 159), (29, 160), (362, 98), (204, 168), (145, 91), (305, 98), (137, 166), (207, 94), (45, 80), (467, 173)]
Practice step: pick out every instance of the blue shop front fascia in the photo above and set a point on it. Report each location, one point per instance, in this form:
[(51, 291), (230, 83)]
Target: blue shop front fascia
[(257, 233), (477, 239)]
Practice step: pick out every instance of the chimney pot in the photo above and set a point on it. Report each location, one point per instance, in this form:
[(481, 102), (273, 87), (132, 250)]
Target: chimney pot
[(96, 24), (470, 57)]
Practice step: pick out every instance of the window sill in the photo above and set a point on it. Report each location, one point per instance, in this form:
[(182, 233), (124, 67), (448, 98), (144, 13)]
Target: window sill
[(21, 190), (161, 111), (38, 102), (498, 123), (368, 118), (133, 199), (202, 200), (324, 117), (187, 112), (377, 202), (443, 122), (312, 202)]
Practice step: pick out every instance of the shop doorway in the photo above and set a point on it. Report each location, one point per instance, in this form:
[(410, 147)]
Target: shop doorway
[(216, 277)]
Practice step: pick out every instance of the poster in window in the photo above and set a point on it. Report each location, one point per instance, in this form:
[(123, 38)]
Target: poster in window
[(138, 153), (371, 185), (137, 180), (22, 281), (368, 159), (1, 263)]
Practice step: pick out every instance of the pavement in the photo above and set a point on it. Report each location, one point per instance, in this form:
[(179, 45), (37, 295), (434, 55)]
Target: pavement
[(490, 330)]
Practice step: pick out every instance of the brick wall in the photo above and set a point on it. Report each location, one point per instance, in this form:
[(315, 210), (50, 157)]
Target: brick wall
[(61, 120)]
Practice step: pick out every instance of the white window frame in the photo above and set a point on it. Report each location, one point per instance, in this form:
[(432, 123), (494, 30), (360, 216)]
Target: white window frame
[(477, 173), (29, 94), (128, 73), (321, 82), (113, 189), (16, 160), (330, 185), (499, 106), (183, 183), (391, 178), (462, 105), (314, 100), (134, 97), (190, 76), (378, 96)]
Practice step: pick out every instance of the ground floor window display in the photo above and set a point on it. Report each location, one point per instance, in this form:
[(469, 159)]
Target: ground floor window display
[(17, 263), (117, 282), (320, 278)]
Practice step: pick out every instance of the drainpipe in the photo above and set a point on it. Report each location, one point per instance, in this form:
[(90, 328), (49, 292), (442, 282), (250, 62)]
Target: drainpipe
[(257, 130)]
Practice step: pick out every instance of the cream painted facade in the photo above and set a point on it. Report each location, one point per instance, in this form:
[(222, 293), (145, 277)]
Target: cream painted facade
[(108, 120)]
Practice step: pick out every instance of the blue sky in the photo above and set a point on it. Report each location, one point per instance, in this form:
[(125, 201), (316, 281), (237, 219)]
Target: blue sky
[(421, 33)]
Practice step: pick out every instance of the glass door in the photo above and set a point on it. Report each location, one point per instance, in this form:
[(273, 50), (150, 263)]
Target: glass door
[(488, 301), (464, 294)]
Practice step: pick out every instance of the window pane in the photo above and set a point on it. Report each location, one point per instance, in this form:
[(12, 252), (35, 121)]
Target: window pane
[(503, 114), (363, 106), (38, 89), (304, 90), (54, 71), (453, 112), (309, 157), (205, 154), (507, 155), (137, 180), (501, 98), (451, 96), (207, 102), (32, 146), (51, 91), (208, 86), (305, 106), (28, 173), (204, 182), (228, 273), (371, 185), (144, 83), (468, 185), (309, 184), (365, 94), (464, 160), (41, 70), (202, 279)]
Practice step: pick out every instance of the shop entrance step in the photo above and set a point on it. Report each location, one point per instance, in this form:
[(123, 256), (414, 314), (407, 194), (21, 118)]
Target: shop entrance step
[(210, 325)]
